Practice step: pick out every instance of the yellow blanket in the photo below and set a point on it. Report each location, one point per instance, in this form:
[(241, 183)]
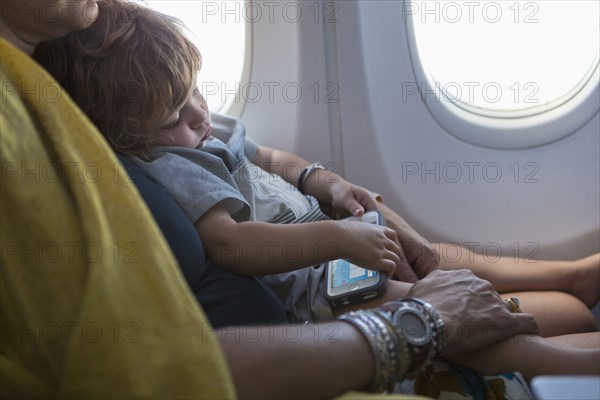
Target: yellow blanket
[(92, 304)]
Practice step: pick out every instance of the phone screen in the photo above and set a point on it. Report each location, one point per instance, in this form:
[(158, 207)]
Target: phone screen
[(344, 273)]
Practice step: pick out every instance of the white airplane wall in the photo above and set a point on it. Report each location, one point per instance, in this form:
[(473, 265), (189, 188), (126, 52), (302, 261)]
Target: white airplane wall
[(334, 89)]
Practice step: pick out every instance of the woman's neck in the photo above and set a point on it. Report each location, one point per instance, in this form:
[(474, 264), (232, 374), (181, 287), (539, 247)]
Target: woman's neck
[(22, 42)]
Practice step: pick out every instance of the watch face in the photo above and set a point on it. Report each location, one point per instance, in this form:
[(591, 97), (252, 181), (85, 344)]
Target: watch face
[(414, 328)]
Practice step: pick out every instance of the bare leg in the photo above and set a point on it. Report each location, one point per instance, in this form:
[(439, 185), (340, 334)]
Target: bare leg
[(511, 274), (546, 289), (531, 355), (557, 313)]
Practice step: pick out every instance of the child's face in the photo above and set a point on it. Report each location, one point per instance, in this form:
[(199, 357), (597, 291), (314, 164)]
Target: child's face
[(187, 127)]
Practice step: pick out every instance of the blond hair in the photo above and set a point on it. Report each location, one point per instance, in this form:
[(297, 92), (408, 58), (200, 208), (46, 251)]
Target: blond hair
[(128, 71)]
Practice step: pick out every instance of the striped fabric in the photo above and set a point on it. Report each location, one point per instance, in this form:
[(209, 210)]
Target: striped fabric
[(315, 214)]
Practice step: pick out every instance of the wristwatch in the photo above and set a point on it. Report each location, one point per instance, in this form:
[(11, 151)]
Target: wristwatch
[(419, 325), (306, 173)]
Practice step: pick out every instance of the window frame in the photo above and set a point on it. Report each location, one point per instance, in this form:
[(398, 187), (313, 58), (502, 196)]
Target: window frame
[(231, 106), (530, 127)]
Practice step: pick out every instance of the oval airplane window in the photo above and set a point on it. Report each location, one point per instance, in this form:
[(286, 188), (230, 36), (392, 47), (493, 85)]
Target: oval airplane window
[(220, 31), (506, 74)]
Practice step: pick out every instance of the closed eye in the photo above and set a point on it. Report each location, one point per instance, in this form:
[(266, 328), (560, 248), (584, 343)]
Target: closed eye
[(172, 124)]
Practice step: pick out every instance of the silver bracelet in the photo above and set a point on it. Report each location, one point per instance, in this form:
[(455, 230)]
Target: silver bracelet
[(391, 355), (398, 350), (381, 358)]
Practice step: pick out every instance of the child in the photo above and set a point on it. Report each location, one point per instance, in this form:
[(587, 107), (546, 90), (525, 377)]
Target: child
[(132, 71)]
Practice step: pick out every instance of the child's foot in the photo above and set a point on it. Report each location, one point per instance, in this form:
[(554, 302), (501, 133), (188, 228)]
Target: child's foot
[(586, 282)]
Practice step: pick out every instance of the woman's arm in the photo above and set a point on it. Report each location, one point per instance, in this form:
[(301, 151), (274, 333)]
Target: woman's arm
[(260, 248), (322, 361), (325, 360)]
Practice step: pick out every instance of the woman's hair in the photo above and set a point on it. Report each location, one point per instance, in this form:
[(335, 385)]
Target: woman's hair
[(127, 72)]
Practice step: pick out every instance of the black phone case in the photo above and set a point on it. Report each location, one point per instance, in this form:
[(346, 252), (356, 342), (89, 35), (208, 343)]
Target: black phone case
[(358, 296)]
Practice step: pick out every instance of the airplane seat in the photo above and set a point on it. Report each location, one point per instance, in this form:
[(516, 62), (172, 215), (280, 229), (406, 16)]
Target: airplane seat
[(226, 298)]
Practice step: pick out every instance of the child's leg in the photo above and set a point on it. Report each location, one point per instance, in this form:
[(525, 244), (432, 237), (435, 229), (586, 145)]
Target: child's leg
[(531, 355), (541, 286), (512, 274)]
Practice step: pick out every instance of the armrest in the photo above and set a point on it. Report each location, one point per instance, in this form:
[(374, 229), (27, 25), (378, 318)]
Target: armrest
[(566, 387)]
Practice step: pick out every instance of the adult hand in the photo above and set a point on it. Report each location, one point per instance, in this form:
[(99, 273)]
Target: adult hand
[(474, 314), (420, 256)]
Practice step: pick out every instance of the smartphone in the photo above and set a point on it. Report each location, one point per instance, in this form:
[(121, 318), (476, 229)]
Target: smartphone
[(349, 284)]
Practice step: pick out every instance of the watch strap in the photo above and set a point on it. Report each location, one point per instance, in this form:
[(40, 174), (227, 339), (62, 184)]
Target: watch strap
[(306, 173)]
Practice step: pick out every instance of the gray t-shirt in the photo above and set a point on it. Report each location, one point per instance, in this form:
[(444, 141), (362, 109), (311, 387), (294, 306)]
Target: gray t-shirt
[(221, 172)]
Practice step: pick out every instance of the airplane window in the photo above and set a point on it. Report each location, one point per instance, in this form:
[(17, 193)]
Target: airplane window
[(506, 58), (505, 74), (219, 30)]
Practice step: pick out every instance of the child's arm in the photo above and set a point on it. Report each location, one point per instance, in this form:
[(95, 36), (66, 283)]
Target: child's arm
[(325, 185), (260, 248), (346, 197)]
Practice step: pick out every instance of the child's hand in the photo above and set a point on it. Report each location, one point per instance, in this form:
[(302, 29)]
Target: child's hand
[(352, 199), (371, 246)]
